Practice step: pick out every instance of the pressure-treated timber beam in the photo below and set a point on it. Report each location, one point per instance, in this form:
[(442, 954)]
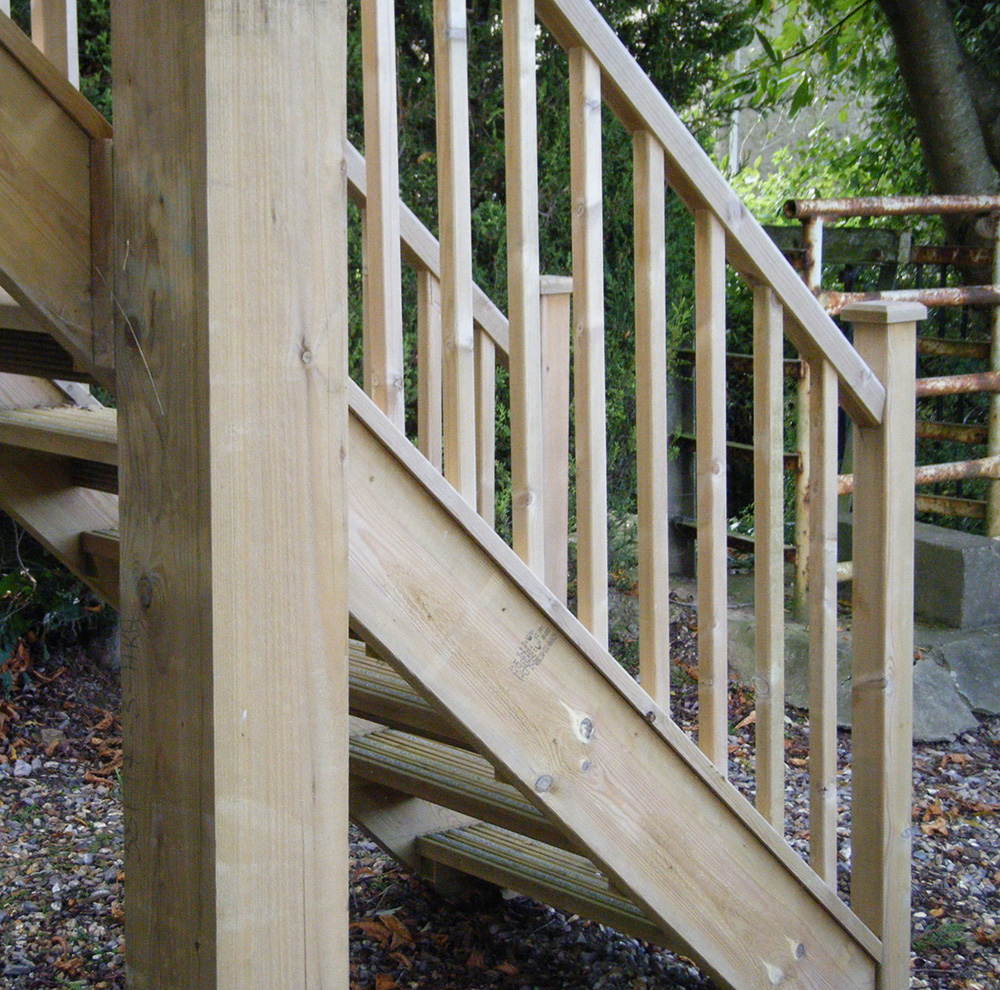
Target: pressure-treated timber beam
[(231, 261), (492, 647), (55, 203)]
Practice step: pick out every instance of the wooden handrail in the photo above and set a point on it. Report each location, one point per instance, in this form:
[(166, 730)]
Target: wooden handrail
[(639, 105)]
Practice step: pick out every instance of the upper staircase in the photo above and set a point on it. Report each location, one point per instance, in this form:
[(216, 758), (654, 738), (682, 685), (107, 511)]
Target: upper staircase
[(494, 735)]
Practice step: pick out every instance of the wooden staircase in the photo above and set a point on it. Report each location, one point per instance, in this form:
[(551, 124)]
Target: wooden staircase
[(493, 733)]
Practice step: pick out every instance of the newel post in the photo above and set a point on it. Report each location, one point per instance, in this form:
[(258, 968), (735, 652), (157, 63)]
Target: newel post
[(882, 695)]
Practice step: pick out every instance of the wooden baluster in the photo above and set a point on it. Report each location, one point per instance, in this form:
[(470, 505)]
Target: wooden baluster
[(429, 367), (556, 294), (769, 565), (823, 620), (384, 325), (53, 30), (882, 630), (455, 226), (588, 343), (521, 134), (651, 416), (5, 7), (710, 412), (486, 411)]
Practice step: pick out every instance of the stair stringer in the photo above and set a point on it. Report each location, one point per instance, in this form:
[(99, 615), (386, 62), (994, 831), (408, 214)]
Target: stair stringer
[(442, 598)]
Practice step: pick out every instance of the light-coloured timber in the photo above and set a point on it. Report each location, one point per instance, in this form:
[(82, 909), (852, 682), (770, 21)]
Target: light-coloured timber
[(429, 364), (651, 416), (453, 778), (710, 461), (523, 306), (769, 560), (556, 295), (231, 264), (823, 622), (486, 412), (640, 106), (384, 317), (588, 344), (46, 134), (592, 749), (451, 94), (420, 250), (53, 30), (882, 675), (89, 434), (560, 878)]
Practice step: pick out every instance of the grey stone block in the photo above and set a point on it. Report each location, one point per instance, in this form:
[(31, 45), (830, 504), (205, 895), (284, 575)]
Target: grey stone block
[(975, 667), (956, 575), (939, 712)]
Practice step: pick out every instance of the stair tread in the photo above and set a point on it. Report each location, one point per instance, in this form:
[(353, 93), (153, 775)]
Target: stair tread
[(69, 431), (556, 876), (449, 776)]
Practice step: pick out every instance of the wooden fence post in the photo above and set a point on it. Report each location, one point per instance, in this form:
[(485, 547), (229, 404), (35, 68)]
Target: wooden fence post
[(882, 694), (231, 287)]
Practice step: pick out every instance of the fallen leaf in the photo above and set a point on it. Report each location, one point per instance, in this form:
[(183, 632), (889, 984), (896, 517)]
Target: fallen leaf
[(475, 960), (374, 929), (400, 933), (937, 827), (751, 719), (383, 981), (507, 968)]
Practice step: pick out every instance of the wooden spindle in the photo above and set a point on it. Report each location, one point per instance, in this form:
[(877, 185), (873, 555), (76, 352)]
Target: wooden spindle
[(556, 294), (823, 621), (53, 30), (769, 566), (588, 343), (882, 630), (384, 326), (486, 412), (710, 413), (429, 367), (455, 231), (651, 416), (521, 135)]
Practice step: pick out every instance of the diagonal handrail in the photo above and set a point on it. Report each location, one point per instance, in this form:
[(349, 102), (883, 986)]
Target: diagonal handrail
[(640, 105)]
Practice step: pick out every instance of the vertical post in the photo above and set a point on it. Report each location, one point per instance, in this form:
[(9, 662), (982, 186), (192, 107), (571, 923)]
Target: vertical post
[(651, 439), (556, 294), (812, 240), (486, 412), (521, 141), (53, 30), (451, 89), (231, 272), (429, 367), (769, 564), (882, 691), (822, 564), (710, 428), (993, 424), (588, 343), (383, 325)]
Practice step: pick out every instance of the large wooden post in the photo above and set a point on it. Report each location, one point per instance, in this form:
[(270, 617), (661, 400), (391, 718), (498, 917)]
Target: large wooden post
[(882, 689), (230, 279)]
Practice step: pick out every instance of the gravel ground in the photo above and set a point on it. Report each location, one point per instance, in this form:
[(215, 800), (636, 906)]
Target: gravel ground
[(62, 880)]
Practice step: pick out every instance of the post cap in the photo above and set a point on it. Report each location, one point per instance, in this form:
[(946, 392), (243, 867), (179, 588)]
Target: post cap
[(884, 311)]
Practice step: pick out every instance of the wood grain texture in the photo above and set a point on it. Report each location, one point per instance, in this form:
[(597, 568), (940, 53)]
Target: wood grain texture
[(231, 261), (882, 676), (621, 779), (588, 343), (651, 416), (525, 361), (384, 318), (90, 434), (823, 622), (451, 93), (710, 461), (486, 411), (769, 563)]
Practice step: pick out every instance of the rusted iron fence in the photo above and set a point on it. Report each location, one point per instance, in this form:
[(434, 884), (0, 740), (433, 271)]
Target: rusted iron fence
[(814, 215)]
